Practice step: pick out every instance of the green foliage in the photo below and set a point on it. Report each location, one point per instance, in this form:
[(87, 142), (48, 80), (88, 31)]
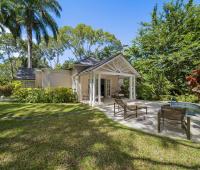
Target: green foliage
[(37, 17), (8, 18), (74, 136), (125, 88), (84, 41), (180, 98), (37, 95), (21, 94), (167, 98), (16, 84), (67, 65), (8, 48), (153, 83), (5, 74), (6, 90), (170, 44), (187, 98)]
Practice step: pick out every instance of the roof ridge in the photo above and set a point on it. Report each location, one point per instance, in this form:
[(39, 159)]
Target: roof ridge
[(101, 62)]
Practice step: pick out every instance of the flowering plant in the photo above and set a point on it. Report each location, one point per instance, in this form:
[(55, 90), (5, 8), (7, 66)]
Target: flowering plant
[(193, 81)]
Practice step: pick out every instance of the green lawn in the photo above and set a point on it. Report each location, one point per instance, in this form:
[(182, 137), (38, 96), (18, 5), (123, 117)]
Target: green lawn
[(74, 136)]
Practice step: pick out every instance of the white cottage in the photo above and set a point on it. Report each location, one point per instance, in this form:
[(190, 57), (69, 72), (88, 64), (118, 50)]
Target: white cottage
[(93, 80)]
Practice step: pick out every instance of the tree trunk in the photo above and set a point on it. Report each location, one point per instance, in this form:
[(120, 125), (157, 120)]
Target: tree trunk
[(11, 64), (11, 67), (29, 36)]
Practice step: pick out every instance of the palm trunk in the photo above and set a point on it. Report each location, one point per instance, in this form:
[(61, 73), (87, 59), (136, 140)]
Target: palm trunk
[(11, 67), (29, 36), (11, 64)]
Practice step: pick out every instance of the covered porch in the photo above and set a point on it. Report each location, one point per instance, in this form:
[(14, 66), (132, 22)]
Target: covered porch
[(104, 86), (95, 85)]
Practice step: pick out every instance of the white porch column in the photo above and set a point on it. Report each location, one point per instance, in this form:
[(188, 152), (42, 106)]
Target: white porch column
[(42, 79), (99, 88), (93, 89), (80, 88), (134, 91), (90, 90), (131, 87), (74, 83), (77, 87), (48, 78)]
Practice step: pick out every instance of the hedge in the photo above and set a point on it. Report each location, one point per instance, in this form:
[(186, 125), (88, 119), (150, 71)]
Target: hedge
[(181, 98), (48, 95), (6, 90)]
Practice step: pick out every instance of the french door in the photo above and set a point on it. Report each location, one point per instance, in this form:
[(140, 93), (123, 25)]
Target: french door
[(107, 88)]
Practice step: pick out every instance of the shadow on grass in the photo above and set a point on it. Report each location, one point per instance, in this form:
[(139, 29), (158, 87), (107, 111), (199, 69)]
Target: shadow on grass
[(74, 137)]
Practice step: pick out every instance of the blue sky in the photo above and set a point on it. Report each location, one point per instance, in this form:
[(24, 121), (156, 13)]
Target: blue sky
[(119, 17)]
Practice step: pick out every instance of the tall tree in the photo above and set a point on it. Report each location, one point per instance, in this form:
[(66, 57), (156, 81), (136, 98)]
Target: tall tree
[(8, 49), (8, 18), (36, 16), (84, 41), (170, 43)]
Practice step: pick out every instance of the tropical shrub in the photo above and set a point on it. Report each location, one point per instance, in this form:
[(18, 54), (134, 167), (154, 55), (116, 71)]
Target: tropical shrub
[(153, 85), (187, 98), (6, 90), (180, 98), (169, 42), (16, 85), (167, 97), (21, 94), (38, 95)]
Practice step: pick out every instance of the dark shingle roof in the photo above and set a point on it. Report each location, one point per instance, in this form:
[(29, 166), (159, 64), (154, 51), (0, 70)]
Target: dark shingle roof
[(25, 74)]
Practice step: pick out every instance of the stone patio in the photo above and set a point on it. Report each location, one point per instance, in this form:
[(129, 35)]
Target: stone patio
[(148, 123)]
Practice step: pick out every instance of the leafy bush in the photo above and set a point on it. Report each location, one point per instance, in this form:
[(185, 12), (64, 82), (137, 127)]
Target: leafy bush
[(167, 97), (37, 95), (180, 98), (16, 85), (187, 98), (6, 90), (21, 94), (153, 85)]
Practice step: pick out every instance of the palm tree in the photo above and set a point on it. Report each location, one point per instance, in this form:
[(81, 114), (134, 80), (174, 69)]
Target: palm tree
[(8, 18), (35, 16)]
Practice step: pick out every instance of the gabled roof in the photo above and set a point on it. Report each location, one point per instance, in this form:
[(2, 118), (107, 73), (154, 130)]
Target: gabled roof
[(98, 64), (107, 60), (25, 74)]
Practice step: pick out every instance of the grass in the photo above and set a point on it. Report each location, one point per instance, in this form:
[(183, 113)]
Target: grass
[(74, 136)]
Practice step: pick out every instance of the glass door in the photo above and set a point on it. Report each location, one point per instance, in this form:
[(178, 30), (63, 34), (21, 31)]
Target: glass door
[(107, 88)]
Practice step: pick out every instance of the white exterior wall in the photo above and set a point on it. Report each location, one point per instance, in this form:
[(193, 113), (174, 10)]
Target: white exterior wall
[(48, 78)]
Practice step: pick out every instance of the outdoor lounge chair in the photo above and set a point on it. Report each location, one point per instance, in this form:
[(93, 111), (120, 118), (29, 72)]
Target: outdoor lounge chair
[(174, 116), (127, 110)]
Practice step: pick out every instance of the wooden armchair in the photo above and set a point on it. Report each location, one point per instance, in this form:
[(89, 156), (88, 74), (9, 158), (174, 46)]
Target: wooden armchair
[(127, 110), (174, 116)]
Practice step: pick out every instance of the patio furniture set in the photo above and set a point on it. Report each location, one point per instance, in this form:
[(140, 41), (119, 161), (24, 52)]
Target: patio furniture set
[(172, 115)]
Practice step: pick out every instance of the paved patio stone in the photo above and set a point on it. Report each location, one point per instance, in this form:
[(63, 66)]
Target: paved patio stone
[(148, 123)]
